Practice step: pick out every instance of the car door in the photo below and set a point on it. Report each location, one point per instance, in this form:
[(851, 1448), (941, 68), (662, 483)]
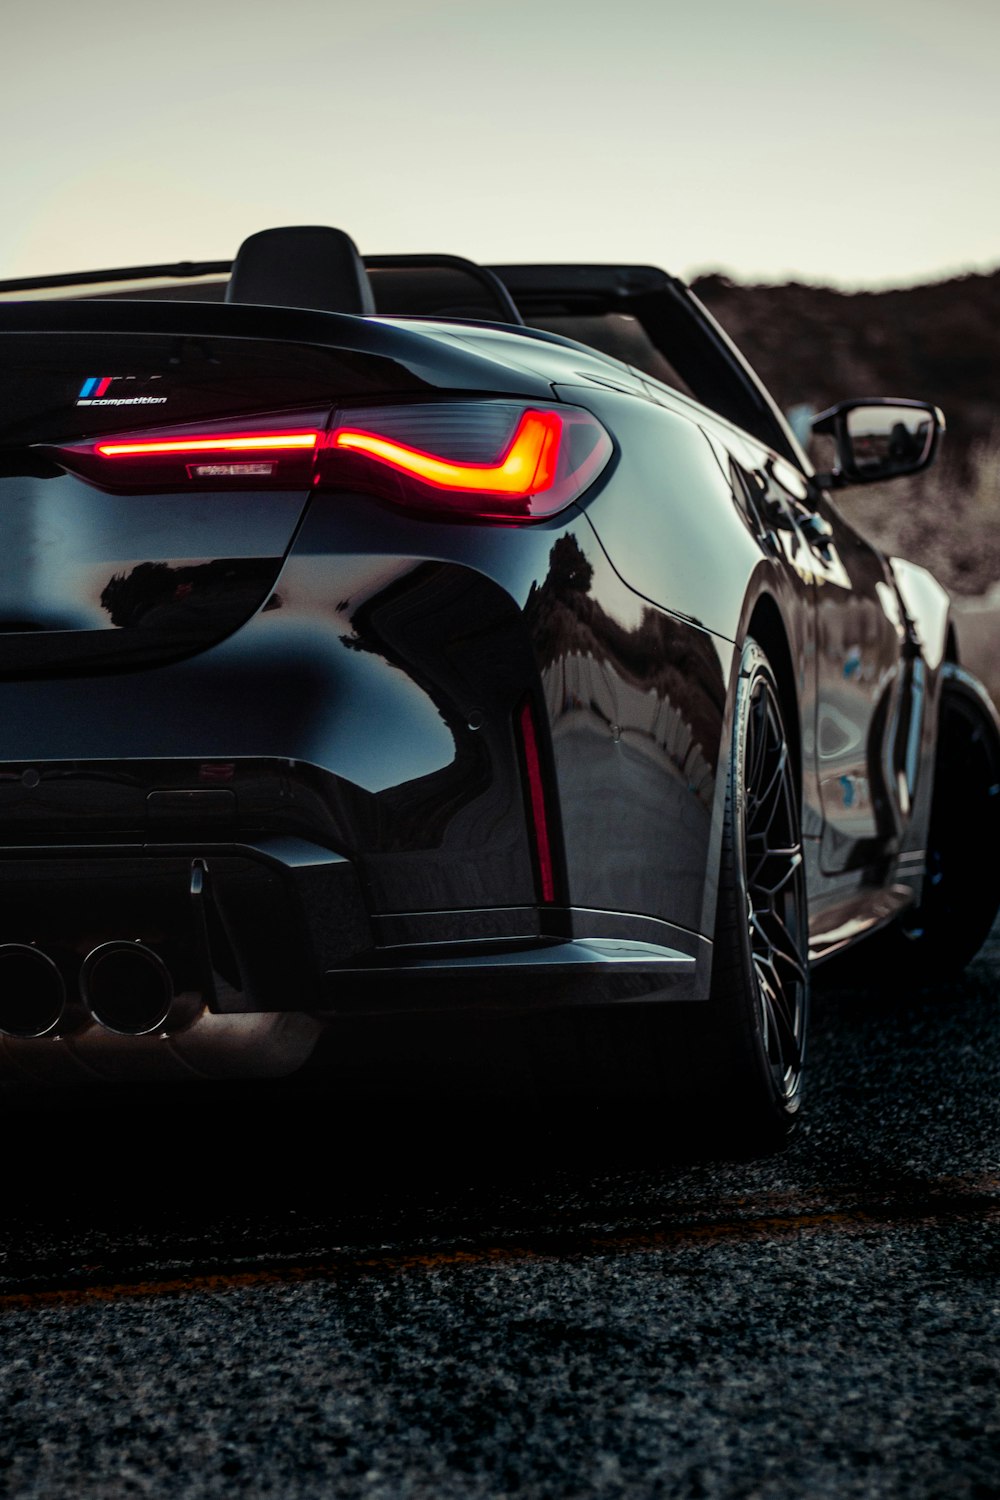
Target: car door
[(868, 697), (860, 684)]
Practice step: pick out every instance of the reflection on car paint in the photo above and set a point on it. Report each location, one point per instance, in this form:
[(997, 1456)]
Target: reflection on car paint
[(636, 717)]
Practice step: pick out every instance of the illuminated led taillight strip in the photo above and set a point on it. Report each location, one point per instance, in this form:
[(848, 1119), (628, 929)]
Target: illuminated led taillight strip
[(528, 467), (251, 442), (536, 799)]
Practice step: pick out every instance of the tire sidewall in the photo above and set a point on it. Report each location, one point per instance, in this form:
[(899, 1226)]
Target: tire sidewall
[(762, 1094)]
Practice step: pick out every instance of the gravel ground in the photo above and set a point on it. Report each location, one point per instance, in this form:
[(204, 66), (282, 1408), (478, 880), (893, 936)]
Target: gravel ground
[(464, 1300)]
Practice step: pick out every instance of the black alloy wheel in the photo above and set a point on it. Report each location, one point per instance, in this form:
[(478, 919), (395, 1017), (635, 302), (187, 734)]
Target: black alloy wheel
[(758, 1012)]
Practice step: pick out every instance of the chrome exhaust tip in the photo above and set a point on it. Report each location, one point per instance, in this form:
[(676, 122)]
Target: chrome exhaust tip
[(127, 988), (32, 992)]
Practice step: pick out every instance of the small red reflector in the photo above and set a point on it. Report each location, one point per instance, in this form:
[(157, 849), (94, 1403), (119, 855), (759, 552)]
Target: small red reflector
[(536, 795), (528, 467), (216, 771)]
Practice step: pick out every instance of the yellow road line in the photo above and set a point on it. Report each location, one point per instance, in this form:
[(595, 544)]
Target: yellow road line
[(904, 1213)]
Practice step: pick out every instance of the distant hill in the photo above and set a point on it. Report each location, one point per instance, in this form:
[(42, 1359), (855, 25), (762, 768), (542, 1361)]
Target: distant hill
[(940, 343)]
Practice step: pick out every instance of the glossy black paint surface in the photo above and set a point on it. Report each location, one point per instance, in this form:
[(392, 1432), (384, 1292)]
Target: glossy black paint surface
[(282, 732), (371, 706), (91, 579)]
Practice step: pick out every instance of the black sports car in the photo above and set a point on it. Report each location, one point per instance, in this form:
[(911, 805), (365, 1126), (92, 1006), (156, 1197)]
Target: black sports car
[(406, 636)]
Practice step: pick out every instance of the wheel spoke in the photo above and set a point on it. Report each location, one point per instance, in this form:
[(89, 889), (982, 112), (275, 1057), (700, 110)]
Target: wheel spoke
[(785, 861), (774, 932), (779, 1016), (769, 798), (789, 948)]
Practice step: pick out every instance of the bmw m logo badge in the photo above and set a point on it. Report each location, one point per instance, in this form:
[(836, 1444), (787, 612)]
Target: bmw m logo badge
[(94, 391)]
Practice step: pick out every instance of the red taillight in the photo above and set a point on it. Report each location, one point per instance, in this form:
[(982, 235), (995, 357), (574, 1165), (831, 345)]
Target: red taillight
[(277, 451), (468, 460), (528, 466), (464, 460), (247, 443)]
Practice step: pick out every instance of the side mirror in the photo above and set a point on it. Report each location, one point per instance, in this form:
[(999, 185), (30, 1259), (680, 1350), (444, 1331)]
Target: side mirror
[(879, 439)]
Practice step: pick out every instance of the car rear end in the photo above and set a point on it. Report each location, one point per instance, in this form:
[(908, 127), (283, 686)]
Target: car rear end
[(275, 739)]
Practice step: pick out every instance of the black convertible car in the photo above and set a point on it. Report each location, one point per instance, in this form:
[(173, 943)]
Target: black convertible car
[(405, 636)]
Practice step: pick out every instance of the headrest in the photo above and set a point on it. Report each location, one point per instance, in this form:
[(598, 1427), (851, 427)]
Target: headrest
[(303, 266)]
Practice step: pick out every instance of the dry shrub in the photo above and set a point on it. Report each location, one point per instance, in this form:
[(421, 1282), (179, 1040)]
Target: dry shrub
[(947, 519)]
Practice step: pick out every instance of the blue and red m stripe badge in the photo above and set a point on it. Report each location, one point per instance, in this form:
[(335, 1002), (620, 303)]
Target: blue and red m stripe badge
[(94, 387)]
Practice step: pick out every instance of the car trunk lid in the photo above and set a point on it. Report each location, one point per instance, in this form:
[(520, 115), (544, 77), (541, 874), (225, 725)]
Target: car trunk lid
[(108, 565)]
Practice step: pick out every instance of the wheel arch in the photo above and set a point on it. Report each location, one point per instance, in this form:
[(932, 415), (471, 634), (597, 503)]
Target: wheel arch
[(763, 621), (767, 628)]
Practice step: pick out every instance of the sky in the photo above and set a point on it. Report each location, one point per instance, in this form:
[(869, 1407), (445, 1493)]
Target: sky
[(847, 143)]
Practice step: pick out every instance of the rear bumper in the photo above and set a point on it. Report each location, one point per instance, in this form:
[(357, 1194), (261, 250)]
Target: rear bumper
[(274, 945), (281, 925), (326, 814)]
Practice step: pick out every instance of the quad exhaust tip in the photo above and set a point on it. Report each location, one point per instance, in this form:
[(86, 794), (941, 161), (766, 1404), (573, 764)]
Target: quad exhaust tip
[(32, 992), (124, 986), (127, 988)]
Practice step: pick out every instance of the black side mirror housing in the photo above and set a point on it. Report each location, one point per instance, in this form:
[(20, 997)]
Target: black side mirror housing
[(879, 438)]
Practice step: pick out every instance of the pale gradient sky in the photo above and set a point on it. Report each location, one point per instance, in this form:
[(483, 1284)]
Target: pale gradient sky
[(849, 142)]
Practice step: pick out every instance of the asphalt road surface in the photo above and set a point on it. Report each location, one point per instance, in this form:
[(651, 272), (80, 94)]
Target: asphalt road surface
[(458, 1296)]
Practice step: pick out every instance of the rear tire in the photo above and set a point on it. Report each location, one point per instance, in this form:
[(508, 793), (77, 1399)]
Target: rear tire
[(754, 1027)]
